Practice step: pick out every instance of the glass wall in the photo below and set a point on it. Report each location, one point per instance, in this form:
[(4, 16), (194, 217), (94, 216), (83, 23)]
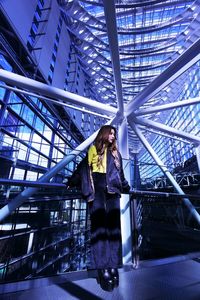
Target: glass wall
[(31, 138), (175, 152)]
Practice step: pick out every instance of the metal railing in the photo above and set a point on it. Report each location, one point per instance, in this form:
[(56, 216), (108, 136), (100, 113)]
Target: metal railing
[(187, 179), (49, 234), (163, 226), (46, 235)]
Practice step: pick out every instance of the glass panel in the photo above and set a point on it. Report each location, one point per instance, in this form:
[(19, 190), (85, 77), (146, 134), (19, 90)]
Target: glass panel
[(24, 133), (18, 174), (7, 143), (22, 152), (31, 176), (45, 148), (47, 132), (15, 103), (39, 125), (4, 64), (36, 141), (42, 161), (28, 115), (33, 157), (2, 91)]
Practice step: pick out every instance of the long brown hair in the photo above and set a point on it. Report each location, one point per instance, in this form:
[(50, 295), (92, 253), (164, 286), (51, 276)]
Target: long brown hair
[(101, 142)]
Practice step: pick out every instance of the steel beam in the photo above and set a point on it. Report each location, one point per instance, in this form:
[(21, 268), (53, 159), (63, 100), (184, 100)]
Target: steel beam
[(166, 135), (178, 67), (110, 16), (57, 102), (53, 92), (172, 105), (166, 128)]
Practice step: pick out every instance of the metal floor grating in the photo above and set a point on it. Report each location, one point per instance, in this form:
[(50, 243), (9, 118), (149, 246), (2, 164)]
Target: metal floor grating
[(177, 280)]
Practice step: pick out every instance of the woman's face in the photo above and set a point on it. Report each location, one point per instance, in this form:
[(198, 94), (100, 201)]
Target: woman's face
[(111, 136)]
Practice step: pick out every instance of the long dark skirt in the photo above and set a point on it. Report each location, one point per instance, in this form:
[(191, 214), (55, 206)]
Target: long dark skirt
[(105, 226)]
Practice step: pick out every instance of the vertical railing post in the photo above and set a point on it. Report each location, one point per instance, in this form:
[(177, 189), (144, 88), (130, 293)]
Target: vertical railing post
[(125, 199), (134, 230), (198, 157)]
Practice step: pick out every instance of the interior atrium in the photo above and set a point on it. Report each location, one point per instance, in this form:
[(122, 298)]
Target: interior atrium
[(68, 67)]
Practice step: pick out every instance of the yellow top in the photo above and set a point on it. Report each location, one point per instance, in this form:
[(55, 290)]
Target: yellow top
[(93, 159)]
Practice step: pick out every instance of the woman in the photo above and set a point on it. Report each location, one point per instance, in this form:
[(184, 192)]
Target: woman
[(108, 180)]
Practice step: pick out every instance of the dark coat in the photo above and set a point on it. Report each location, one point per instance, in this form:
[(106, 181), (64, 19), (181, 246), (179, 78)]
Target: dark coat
[(116, 182), (82, 178)]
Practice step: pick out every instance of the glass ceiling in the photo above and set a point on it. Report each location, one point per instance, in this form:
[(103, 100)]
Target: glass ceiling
[(150, 36)]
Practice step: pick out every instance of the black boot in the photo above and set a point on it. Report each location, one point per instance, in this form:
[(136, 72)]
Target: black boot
[(115, 276), (105, 280)]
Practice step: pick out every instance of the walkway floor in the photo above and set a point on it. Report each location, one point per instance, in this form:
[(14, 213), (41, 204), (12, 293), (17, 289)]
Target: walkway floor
[(173, 281)]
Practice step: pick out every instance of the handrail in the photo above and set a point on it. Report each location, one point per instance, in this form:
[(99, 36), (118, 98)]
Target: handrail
[(163, 194), (47, 185), (31, 183)]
